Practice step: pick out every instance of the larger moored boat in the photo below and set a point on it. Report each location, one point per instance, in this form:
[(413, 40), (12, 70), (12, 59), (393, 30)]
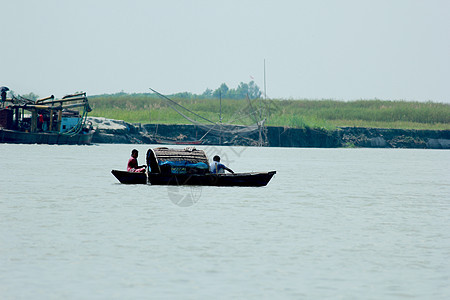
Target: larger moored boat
[(45, 121)]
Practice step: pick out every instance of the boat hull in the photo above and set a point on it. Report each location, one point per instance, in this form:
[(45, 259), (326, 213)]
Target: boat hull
[(237, 179), (130, 177), (51, 138)]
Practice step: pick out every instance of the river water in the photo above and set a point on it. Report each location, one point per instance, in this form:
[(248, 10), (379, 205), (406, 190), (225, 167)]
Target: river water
[(332, 224)]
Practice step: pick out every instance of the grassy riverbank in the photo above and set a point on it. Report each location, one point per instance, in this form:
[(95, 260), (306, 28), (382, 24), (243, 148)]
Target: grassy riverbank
[(329, 114)]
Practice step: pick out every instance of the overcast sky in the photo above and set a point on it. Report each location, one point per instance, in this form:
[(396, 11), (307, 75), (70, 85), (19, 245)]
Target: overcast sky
[(324, 49)]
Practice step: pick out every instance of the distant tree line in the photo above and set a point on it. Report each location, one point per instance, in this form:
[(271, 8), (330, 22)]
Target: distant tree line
[(244, 90)]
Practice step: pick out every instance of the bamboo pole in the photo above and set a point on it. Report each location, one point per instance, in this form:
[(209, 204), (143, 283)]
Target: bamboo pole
[(64, 100), (33, 121), (51, 120), (46, 98), (59, 120)]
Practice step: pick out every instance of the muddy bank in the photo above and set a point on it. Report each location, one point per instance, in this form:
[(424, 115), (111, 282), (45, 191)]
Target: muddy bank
[(115, 131), (395, 138)]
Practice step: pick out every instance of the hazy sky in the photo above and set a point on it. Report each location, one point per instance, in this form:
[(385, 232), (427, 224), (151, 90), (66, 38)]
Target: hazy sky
[(337, 49)]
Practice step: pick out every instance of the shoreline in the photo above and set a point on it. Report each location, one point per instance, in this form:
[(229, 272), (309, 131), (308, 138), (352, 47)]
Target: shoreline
[(120, 132)]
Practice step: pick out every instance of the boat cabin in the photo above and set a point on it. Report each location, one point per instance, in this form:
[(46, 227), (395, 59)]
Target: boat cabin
[(177, 161)]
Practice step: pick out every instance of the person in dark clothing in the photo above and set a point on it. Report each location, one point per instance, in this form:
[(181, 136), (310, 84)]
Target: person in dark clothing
[(3, 91)]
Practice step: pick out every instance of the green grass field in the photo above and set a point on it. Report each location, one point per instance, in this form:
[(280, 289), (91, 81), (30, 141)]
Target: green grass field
[(328, 114)]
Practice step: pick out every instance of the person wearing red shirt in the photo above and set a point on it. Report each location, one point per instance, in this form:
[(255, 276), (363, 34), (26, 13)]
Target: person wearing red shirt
[(40, 122), (132, 165)]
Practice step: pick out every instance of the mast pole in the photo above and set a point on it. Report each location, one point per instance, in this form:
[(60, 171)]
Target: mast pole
[(220, 101), (265, 92)]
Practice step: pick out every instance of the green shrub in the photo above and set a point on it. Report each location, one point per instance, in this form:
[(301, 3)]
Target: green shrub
[(328, 114)]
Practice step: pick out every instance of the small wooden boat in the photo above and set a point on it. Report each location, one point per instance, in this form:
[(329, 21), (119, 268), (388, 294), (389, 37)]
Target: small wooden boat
[(237, 179), (187, 167)]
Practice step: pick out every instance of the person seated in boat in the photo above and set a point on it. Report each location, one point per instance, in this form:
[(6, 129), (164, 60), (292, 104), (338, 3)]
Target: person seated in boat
[(133, 163), (217, 167)]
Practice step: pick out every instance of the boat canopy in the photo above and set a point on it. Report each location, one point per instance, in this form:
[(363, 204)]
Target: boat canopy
[(177, 161)]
